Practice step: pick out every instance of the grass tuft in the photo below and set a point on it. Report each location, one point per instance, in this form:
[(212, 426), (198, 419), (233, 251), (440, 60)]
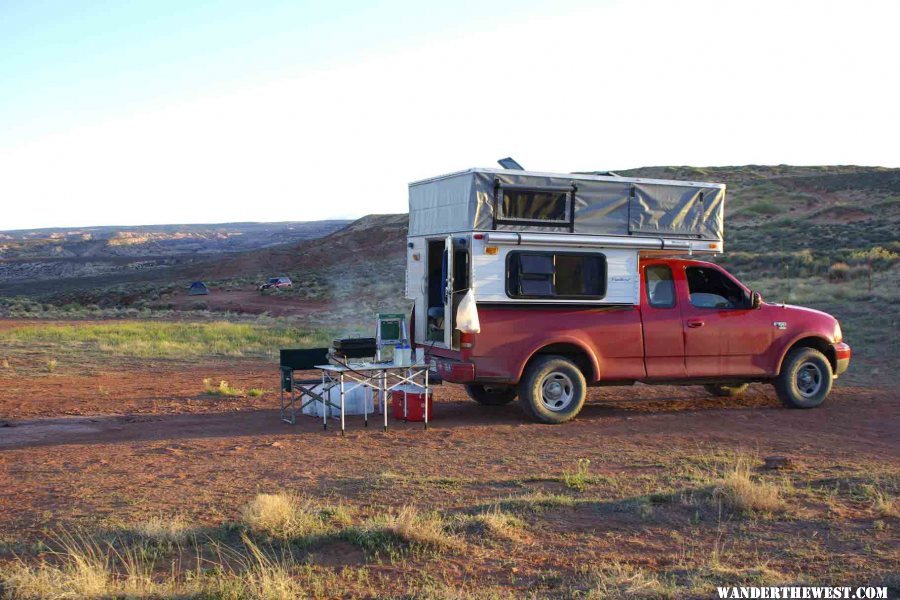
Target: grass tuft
[(223, 389), (409, 528), (495, 523), (164, 530), (288, 517), (623, 581), (82, 571), (579, 478), (739, 491)]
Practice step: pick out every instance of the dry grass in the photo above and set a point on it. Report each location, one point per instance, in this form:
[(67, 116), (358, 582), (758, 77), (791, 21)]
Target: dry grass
[(886, 506), (84, 569), (51, 365), (425, 529), (739, 491), (495, 523), (537, 502), (407, 528), (255, 392), (621, 581), (223, 389), (287, 516), (81, 570), (164, 529), (268, 578)]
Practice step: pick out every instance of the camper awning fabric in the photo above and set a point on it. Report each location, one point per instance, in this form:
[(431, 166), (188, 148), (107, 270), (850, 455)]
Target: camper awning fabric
[(597, 205)]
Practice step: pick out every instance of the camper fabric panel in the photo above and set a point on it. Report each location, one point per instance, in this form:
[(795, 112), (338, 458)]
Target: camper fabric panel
[(601, 208), (675, 210), (465, 202), (441, 206)]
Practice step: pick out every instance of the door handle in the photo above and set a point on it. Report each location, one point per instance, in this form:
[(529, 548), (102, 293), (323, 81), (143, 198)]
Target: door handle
[(695, 323)]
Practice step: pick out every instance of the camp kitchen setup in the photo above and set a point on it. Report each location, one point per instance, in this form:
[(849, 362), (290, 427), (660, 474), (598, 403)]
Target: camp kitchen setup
[(501, 239), (354, 372)]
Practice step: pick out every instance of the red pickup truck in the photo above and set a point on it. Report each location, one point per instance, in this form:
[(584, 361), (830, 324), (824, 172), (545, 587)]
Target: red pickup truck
[(695, 324)]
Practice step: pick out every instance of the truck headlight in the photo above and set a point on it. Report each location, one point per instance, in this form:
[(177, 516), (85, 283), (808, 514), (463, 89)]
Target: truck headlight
[(838, 334)]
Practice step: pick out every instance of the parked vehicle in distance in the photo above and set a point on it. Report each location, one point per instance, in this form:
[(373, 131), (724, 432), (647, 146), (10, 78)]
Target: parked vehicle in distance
[(276, 283), (583, 279)]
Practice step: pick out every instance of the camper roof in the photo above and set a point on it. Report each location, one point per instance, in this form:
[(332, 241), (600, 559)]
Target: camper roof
[(572, 176), (566, 203)]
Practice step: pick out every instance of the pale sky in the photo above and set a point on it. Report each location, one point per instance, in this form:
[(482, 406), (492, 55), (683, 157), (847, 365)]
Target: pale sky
[(172, 111)]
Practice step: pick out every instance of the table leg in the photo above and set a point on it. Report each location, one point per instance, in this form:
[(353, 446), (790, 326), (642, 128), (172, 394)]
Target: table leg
[(384, 396), (426, 399), (325, 393), (342, 404)]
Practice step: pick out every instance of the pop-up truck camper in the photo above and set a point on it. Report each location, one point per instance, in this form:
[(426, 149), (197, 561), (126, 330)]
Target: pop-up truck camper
[(538, 285)]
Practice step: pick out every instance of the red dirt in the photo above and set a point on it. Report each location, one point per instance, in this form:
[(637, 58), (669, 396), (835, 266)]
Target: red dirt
[(118, 444)]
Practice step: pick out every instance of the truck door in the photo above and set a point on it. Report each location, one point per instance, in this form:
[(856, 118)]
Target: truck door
[(723, 334), (662, 324)]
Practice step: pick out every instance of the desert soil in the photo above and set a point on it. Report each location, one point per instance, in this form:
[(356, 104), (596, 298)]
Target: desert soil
[(115, 443)]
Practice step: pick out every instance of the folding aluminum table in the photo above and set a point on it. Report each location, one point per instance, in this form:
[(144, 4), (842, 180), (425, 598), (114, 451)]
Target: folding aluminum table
[(380, 377)]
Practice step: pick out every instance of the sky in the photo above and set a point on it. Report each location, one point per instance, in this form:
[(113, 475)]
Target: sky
[(210, 111)]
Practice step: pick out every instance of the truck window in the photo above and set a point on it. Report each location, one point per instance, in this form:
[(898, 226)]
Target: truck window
[(561, 275), (710, 288), (660, 286)]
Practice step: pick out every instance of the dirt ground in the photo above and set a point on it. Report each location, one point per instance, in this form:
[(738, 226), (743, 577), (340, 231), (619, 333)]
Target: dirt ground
[(107, 444)]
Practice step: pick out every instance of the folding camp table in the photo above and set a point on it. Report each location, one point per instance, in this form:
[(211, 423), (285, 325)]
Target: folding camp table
[(378, 377)]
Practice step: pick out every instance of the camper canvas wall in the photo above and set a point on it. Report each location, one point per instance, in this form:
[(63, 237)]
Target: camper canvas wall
[(495, 199)]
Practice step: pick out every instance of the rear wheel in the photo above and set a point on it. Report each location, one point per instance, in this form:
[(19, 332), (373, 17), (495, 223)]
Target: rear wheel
[(805, 379), (552, 390), (726, 391), (491, 395)]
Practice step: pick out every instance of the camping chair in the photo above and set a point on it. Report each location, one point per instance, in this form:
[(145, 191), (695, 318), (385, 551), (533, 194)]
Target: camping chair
[(302, 360)]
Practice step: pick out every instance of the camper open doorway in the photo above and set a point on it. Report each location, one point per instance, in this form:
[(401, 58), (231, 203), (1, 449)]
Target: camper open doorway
[(447, 281)]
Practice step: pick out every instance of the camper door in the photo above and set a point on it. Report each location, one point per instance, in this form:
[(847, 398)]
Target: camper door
[(447, 282)]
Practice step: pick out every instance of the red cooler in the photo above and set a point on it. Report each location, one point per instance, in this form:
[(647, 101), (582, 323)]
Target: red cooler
[(415, 403)]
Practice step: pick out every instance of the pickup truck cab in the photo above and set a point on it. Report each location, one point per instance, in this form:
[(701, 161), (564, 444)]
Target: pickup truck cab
[(694, 324)]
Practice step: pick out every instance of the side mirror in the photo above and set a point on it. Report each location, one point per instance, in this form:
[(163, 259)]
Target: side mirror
[(755, 300)]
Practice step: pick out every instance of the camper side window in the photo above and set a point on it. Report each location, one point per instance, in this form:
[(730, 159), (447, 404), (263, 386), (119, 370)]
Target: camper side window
[(559, 275), (534, 206)]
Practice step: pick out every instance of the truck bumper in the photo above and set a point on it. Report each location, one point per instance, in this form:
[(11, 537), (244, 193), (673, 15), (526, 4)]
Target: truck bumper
[(842, 354), (455, 371)]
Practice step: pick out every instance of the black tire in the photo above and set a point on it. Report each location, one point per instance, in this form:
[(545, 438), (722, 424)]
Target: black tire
[(805, 379), (552, 390), (491, 395), (726, 391)]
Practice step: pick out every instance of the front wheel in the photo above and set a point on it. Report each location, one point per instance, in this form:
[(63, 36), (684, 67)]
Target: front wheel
[(491, 395), (805, 379), (552, 390)]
